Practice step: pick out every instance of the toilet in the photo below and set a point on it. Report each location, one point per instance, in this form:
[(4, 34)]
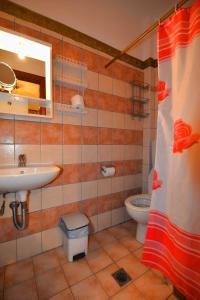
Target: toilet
[(138, 207)]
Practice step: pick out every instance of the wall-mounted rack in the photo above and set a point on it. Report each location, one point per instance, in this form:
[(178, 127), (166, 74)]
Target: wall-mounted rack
[(66, 108), (140, 93), (70, 73)]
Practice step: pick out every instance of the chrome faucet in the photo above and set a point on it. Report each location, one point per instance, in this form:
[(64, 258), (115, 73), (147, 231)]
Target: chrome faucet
[(22, 160)]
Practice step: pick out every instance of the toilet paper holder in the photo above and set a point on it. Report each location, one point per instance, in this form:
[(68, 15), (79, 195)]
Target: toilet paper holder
[(108, 170)]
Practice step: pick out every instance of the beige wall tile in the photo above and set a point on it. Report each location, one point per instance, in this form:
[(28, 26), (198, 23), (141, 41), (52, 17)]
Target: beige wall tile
[(104, 153), (32, 153), (7, 154), (104, 186), (35, 200), (51, 154), (89, 189), (105, 84), (118, 216), (72, 119), (90, 118), (57, 117), (51, 238), (93, 81), (146, 155), (71, 193), (71, 154), (128, 88), (89, 153), (105, 119), (52, 197), (129, 182), (119, 88), (117, 184), (118, 120), (146, 137), (133, 124), (117, 152), (104, 220), (29, 245), (133, 152), (8, 253)]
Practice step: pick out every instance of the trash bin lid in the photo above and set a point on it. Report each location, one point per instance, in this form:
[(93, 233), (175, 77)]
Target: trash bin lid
[(75, 220)]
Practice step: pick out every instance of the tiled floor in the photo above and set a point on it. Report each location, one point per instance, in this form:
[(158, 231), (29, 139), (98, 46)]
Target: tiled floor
[(51, 276)]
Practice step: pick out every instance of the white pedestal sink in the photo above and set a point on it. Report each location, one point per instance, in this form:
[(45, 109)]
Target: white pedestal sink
[(21, 179)]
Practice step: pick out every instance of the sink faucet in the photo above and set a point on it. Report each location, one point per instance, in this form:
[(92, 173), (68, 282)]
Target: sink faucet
[(22, 160)]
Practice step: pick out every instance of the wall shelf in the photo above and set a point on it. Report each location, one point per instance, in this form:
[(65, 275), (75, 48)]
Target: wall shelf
[(25, 106), (66, 108), (140, 115), (70, 73), (140, 93), (141, 85)]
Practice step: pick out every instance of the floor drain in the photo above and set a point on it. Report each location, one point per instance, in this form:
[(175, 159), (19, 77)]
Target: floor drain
[(121, 277)]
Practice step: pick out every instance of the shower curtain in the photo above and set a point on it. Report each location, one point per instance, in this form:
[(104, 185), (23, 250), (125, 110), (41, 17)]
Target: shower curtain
[(173, 236)]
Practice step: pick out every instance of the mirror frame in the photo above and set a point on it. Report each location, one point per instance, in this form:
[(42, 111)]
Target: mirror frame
[(42, 51)]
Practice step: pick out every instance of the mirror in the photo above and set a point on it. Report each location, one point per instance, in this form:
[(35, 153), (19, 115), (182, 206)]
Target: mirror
[(25, 72), (7, 77)]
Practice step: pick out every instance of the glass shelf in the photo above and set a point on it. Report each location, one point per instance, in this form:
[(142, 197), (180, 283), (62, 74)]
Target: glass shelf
[(25, 106), (140, 115), (70, 73), (142, 85), (139, 100)]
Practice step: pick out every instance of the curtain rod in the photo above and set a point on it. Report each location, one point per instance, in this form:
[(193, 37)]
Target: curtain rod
[(147, 31)]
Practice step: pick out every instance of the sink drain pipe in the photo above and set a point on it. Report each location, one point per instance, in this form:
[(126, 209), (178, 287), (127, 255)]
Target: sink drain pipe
[(19, 224)]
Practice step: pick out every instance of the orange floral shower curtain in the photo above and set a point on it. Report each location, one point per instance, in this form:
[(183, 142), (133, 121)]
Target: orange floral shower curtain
[(173, 237)]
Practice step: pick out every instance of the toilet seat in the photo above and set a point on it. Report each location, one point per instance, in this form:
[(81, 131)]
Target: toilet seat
[(138, 208), (139, 202)]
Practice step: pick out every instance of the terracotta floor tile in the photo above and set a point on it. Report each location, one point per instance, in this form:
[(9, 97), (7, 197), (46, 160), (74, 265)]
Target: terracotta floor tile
[(153, 287), (62, 255), (131, 226), (119, 231), (107, 281), (92, 243), (45, 261), (76, 271), (50, 283), (129, 293), (64, 295), (130, 243), (132, 265), (98, 260), (18, 272), (138, 253), (23, 291), (89, 289), (104, 237), (116, 250)]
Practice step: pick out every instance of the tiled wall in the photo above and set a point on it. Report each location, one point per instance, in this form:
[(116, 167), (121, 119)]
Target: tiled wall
[(150, 125), (106, 135)]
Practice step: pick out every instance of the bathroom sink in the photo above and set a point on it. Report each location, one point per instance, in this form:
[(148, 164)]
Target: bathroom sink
[(16, 179)]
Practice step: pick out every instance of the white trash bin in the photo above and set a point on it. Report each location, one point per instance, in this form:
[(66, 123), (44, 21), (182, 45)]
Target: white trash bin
[(75, 228)]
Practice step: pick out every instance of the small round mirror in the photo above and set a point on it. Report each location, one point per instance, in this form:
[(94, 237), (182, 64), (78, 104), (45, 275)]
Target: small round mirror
[(7, 77)]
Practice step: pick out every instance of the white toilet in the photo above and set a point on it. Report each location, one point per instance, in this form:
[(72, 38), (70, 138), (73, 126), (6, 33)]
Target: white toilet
[(138, 207)]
